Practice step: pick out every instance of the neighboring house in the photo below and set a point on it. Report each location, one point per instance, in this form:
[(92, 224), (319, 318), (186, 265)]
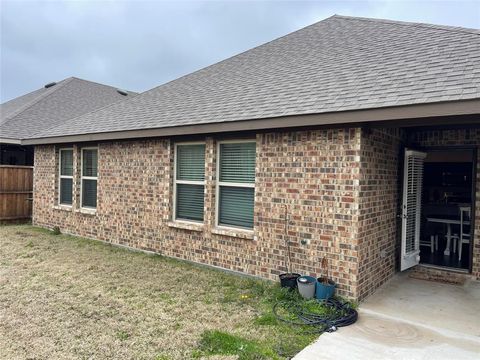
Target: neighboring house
[(50, 106), (319, 121)]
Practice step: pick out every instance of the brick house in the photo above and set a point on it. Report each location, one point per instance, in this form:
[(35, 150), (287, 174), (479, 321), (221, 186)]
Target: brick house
[(366, 130), (47, 107), (32, 113)]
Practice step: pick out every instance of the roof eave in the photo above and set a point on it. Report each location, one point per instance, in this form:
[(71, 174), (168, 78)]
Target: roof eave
[(10, 141), (399, 114)]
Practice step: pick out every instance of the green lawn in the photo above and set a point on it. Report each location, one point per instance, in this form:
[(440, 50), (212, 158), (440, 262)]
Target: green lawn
[(68, 297)]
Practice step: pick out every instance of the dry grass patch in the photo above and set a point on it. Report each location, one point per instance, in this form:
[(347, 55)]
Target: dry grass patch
[(66, 297)]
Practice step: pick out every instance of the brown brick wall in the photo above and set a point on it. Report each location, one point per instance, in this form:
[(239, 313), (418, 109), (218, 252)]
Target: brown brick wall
[(313, 172), (379, 196), (341, 187)]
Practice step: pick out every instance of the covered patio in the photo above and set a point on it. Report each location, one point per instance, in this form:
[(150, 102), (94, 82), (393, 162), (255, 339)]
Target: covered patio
[(409, 319)]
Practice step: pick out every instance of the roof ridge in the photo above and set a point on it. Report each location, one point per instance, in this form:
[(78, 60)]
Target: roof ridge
[(132, 95), (70, 82), (412, 23), (40, 97), (97, 83)]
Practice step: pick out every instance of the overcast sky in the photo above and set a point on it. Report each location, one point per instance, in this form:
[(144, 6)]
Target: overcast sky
[(137, 45)]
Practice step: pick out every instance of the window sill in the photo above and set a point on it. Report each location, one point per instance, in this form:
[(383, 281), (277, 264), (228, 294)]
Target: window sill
[(186, 225), (241, 234), (86, 211), (63, 207)]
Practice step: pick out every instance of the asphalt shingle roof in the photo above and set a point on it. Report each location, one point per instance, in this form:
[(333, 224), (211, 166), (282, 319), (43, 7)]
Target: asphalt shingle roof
[(42, 109), (341, 63)]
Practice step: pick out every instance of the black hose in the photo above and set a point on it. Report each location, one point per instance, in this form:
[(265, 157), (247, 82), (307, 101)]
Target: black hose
[(339, 314)]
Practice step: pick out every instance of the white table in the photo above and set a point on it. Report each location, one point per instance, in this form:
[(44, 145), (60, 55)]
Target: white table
[(448, 222)]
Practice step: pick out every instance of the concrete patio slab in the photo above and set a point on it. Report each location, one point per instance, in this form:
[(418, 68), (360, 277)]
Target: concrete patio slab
[(409, 319)]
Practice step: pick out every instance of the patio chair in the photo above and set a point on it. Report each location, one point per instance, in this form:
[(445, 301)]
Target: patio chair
[(465, 215), (432, 243)]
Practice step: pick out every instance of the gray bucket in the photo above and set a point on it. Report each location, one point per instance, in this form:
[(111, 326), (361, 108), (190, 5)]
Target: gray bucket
[(306, 286)]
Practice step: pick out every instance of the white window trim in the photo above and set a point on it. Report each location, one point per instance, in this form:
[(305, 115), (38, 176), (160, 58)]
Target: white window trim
[(60, 177), (219, 183), (188, 182), (87, 208)]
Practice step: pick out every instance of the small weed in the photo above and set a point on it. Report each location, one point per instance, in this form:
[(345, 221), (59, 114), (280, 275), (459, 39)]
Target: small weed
[(56, 230), (354, 304), (207, 300), (245, 291), (26, 255), (140, 305), (123, 335), (29, 244), (291, 346), (221, 343), (266, 319), (162, 357), (166, 298)]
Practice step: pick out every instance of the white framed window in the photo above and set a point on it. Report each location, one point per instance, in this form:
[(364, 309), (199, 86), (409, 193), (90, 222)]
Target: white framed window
[(235, 186), (89, 176), (189, 182), (65, 176)]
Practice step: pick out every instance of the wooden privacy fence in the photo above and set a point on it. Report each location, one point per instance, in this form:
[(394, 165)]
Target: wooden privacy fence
[(16, 186)]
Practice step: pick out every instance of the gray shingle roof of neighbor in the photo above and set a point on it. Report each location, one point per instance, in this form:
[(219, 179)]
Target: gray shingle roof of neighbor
[(338, 64), (35, 112)]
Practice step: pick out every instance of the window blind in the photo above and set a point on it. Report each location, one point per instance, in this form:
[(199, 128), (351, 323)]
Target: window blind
[(90, 162), (89, 193), (191, 162), (89, 177), (236, 184), (66, 162), (237, 162), (66, 177), (66, 191), (190, 201), (189, 181), (236, 206)]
